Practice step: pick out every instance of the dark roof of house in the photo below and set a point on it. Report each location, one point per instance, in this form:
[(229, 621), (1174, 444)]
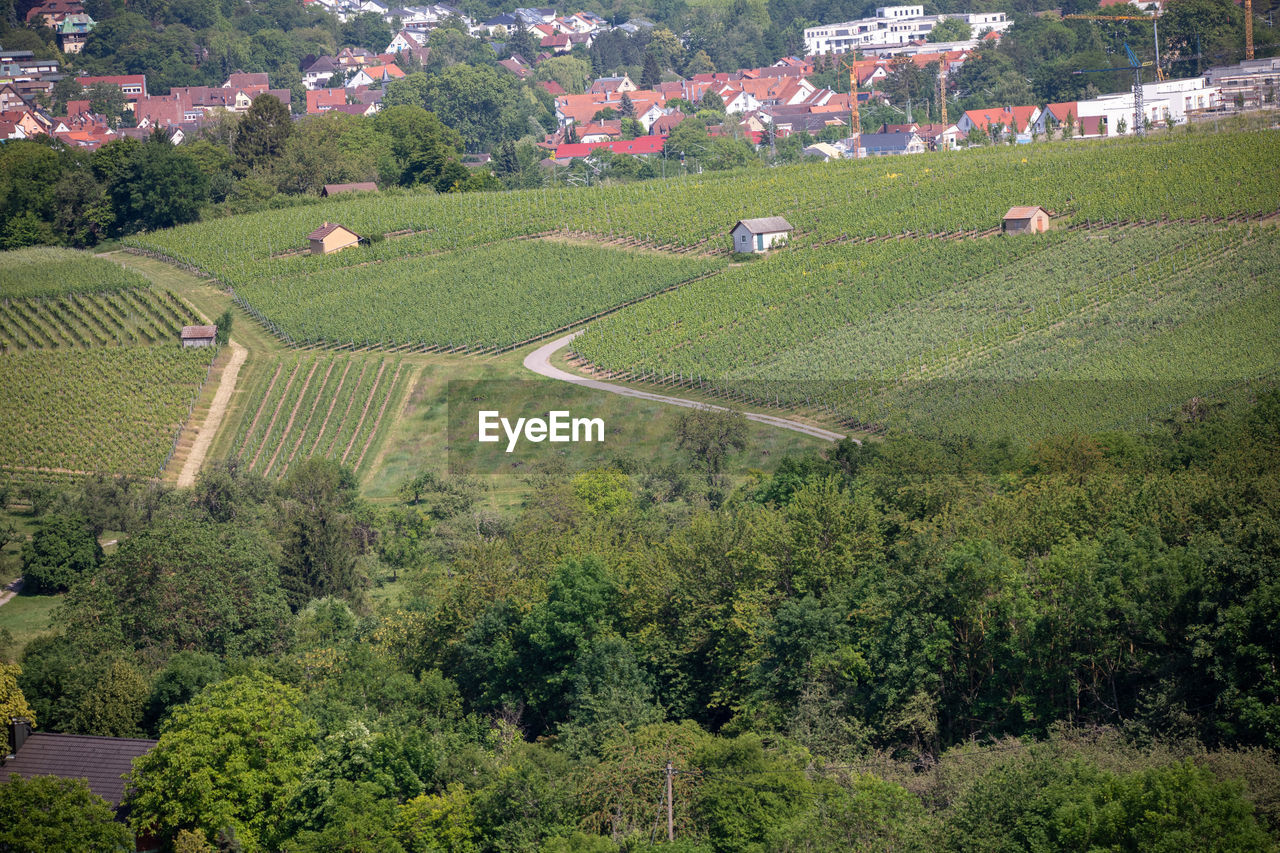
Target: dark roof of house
[(327, 229), (102, 761), (362, 187), (765, 225), (191, 332)]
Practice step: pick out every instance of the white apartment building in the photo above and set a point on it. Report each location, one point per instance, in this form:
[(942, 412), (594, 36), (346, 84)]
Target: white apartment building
[(892, 25), (1162, 103)]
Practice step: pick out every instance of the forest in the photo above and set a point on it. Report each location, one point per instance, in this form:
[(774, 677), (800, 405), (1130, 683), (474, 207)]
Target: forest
[(908, 644)]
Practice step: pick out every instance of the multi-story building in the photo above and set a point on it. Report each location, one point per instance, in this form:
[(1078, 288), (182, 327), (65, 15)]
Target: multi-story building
[(892, 25)]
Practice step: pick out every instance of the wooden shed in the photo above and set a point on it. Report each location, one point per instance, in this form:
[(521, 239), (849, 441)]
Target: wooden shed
[(199, 336), (1025, 220), (759, 235), (332, 237)]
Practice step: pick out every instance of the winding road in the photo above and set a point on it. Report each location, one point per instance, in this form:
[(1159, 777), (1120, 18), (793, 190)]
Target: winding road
[(539, 361)]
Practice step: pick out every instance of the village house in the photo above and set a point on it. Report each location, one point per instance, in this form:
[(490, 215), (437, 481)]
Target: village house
[(886, 144), (102, 762), (759, 235)]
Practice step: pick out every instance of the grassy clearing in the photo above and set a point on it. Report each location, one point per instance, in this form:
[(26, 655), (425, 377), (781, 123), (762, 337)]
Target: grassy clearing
[(26, 617)]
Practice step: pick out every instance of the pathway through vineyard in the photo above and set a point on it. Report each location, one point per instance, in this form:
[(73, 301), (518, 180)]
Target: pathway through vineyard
[(218, 408), (539, 361)]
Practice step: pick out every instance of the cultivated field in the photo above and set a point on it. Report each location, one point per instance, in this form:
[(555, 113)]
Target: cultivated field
[(1186, 174), (320, 404), (484, 298), (92, 374), (1013, 336)]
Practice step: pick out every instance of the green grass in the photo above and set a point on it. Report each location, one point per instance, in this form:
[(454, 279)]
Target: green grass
[(26, 617)]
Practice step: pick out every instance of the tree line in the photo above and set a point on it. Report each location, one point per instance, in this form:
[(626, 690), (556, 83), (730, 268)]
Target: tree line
[(911, 644)]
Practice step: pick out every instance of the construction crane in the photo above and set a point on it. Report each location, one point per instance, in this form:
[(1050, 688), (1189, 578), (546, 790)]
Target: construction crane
[(1155, 29), (1138, 113), (942, 99), (1248, 29), (855, 121)]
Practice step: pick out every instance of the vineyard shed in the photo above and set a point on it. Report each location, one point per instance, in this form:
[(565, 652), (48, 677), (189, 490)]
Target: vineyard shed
[(759, 235), (199, 336), (332, 237), (1025, 220)]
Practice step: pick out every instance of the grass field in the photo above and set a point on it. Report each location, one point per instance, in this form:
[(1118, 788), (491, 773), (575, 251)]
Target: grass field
[(26, 617)]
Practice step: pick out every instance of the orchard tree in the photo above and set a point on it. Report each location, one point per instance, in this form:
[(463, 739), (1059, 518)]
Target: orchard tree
[(710, 436), (49, 813), (62, 550), (225, 763)]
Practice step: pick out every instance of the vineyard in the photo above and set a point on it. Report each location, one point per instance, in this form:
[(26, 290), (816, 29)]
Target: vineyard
[(44, 271), (481, 299), (1184, 175), (109, 409), (119, 317), (1061, 327), (320, 404)]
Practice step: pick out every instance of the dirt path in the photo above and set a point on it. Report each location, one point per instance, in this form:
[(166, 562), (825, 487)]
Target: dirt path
[(212, 420), (14, 587), (539, 361)]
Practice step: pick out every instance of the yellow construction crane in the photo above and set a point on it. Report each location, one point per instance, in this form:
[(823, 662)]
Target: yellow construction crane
[(942, 99), (1155, 29), (1248, 29), (855, 121)]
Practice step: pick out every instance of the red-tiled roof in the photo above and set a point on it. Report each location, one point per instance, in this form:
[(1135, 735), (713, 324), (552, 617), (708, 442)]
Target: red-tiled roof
[(198, 332), (1025, 212), (327, 229)]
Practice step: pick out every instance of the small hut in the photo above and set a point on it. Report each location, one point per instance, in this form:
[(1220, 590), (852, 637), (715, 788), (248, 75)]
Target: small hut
[(332, 237), (199, 336), (759, 235), (1025, 220)]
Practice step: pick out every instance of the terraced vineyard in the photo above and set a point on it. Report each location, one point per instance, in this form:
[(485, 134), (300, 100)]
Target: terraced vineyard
[(1185, 174), (1045, 331), (110, 409), (321, 404), (119, 317), (481, 299)]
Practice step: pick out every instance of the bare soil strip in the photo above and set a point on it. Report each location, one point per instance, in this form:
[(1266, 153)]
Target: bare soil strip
[(213, 419), (293, 414), (333, 401), (378, 420)]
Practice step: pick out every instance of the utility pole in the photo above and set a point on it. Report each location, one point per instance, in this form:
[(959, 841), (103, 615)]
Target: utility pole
[(942, 99), (671, 822)]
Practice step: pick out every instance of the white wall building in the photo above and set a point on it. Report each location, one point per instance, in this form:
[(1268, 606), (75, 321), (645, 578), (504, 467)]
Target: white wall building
[(892, 25), (1162, 103)]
